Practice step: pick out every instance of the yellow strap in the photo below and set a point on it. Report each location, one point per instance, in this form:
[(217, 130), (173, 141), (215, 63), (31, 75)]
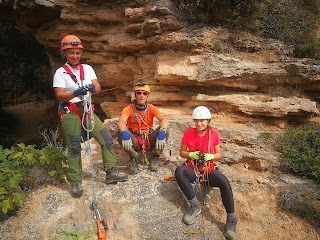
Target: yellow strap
[(143, 121)]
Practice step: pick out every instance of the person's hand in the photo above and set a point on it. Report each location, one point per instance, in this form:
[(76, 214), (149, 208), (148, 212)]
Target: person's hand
[(161, 139), (194, 155), (208, 156), (126, 140), (90, 87), (80, 91)]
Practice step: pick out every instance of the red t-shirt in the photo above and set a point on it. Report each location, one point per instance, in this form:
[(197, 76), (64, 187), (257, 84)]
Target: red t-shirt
[(195, 142), (200, 143), (148, 121)]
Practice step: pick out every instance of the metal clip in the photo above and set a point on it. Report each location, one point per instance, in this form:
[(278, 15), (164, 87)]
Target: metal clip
[(66, 109)]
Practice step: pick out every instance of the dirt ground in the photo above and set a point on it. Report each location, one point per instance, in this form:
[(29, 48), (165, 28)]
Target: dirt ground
[(148, 207)]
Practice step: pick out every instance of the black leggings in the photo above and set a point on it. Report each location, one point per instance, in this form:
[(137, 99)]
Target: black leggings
[(185, 175)]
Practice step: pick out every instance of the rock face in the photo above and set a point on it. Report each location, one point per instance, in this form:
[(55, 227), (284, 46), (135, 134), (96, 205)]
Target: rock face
[(253, 86), (127, 41)]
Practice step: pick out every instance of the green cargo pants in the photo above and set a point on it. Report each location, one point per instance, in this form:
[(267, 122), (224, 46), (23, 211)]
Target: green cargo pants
[(72, 128)]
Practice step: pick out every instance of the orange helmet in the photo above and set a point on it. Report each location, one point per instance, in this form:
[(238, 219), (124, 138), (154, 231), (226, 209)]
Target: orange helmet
[(142, 86), (71, 41)]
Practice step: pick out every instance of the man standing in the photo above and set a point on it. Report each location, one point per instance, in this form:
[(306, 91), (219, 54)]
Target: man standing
[(73, 84), (136, 131)]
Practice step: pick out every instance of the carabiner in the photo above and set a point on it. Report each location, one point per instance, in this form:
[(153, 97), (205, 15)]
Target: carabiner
[(102, 233)]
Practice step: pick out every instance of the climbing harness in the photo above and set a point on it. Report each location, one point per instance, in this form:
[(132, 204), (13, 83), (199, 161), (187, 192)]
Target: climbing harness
[(73, 77), (73, 107), (144, 137), (145, 143), (204, 168)]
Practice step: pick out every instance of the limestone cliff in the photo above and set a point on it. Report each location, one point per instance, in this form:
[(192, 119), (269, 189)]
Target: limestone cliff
[(252, 85), (126, 41)]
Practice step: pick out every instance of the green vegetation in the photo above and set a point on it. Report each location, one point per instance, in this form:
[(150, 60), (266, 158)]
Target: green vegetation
[(306, 207), (23, 168), (64, 234), (293, 22), (300, 148)]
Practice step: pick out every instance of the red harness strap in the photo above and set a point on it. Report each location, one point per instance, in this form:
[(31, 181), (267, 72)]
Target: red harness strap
[(140, 142), (72, 106), (74, 78)]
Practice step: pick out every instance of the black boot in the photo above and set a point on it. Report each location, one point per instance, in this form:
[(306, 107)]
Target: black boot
[(231, 226), (154, 163), (112, 178), (134, 165), (77, 190)]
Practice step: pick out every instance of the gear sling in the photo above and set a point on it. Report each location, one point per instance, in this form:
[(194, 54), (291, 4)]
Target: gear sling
[(70, 105)]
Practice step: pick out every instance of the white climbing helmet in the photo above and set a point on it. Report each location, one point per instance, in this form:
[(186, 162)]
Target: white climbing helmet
[(201, 112)]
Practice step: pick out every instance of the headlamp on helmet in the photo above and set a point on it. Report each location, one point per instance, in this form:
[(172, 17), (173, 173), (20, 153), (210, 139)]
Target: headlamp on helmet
[(71, 41), (141, 86)]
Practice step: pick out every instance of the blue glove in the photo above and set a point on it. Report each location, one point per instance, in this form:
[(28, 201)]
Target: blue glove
[(161, 139), (126, 140), (90, 87), (80, 91)]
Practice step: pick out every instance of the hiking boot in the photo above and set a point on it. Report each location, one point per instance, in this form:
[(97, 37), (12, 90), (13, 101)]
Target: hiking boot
[(77, 190), (154, 164), (112, 178), (231, 226), (134, 165), (192, 213)]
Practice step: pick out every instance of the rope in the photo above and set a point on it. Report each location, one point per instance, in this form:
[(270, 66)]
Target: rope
[(87, 110), (145, 137), (87, 101), (101, 223), (109, 89)]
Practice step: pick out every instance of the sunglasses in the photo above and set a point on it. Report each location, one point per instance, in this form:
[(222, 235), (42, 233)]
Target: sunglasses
[(144, 93)]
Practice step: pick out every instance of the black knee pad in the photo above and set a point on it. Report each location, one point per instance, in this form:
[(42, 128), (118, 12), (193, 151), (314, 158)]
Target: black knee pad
[(107, 138), (75, 150)]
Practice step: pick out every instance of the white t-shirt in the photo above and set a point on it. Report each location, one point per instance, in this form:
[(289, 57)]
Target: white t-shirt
[(62, 79)]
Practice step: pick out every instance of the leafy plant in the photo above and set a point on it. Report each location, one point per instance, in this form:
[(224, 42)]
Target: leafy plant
[(300, 149), (64, 234), (25, 167), (11, 195)]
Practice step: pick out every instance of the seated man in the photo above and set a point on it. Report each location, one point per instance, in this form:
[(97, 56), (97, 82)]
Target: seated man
[(136, 131)]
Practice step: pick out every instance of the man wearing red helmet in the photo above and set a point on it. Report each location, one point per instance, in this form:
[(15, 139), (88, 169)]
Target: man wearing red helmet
[(73, 84), (136, 131)]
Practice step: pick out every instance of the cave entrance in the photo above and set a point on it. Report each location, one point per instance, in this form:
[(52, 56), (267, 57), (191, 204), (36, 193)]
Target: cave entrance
[(26, 94)]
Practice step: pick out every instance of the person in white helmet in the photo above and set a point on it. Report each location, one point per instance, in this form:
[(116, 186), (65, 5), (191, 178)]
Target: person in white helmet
[(201, 146)]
